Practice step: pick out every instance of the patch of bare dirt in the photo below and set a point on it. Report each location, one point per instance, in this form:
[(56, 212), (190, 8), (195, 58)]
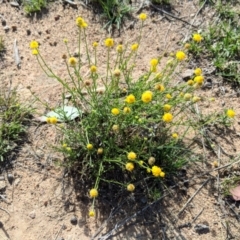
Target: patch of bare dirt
[(40, 200)]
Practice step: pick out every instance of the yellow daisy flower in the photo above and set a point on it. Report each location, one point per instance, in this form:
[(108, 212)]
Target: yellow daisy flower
[(130, 187), (109, 42), (134, 47), (197, 37), (115, 111), (142, 16), (147, 96), (130, 98), (180, 55), (231, 113), (132, 156), (34, 44), (72, 61), (93, 193), (156, 171), (167, 117), (129, 166)]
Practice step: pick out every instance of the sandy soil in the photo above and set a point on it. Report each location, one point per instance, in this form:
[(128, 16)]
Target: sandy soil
[(42, 200)]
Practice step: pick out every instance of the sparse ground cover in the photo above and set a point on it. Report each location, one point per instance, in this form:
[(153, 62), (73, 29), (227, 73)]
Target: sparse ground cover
[(139, 119)]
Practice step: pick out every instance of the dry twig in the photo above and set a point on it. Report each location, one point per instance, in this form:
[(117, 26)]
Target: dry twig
[(191, 198)]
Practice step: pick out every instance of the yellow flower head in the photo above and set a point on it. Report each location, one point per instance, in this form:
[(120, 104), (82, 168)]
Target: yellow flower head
[(175, 135), (89, 146), (190, 82), (72, 61), (109, 42), (154, 62), (198, 71), (132, 156), (156, 171), (64, 145), (115, 128), (134, 47), (231, 113), (100, 151), (91, 213), (117, 72), (162, 174), (142, 16), (93, 68), (52, 120), (167, 107), (93, 193), (130, 98), (180, 55), (168, 96), (127, 110), (130, 187), (160, 87), (65, 40), (215, 163), (199, 79), (147, 96), (120, 48), (196, 99), (187, 96), (95, 44), (81, 22), (141, 162), (167, 117), (151, 160), (84, 25), (33, 44), (187, 45), (115, 111), (35, 52), (129, 166), (197, 37)]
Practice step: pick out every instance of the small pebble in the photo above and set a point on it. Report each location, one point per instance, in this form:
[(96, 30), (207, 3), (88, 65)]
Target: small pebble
[(14, 4), (57, 18), (74, 220), (28, 32), (6, 28), (32, 214), (10, 178), (14, 28)]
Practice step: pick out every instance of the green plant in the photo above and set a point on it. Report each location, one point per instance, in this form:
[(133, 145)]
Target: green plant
[(130, 129), (2, 45), (114, 11), (31, 6), (13, 119), (228, 184), (221, 43)]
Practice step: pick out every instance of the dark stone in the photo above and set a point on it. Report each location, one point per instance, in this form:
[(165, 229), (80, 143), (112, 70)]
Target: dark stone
[(10, 178), (74, 220), (202, 229)]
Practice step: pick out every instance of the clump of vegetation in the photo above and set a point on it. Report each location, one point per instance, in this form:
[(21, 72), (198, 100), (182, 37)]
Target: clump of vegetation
[(221, 43), (31, 6), (2, 45), (114, 11), (13, 121), (129, 130)]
